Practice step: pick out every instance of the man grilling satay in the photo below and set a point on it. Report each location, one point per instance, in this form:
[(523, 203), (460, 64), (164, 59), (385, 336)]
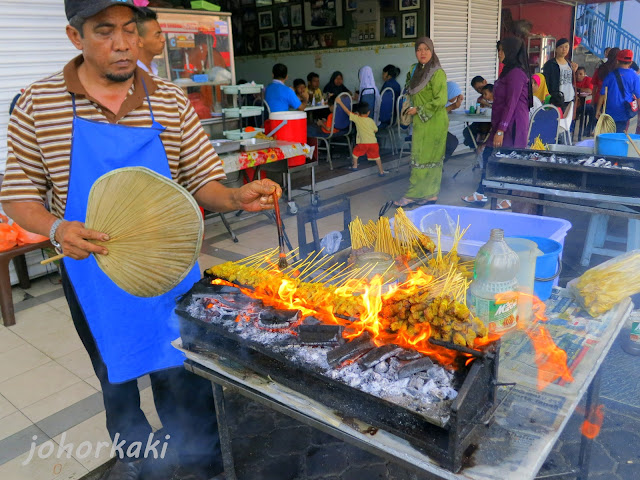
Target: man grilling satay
[(129, 119)]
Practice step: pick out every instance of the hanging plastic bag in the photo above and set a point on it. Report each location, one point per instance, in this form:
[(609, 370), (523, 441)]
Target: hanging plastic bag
[(25, 237), (8, 235), (600, 288)]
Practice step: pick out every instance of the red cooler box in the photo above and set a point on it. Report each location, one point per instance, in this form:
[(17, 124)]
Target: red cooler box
[(294, 131)]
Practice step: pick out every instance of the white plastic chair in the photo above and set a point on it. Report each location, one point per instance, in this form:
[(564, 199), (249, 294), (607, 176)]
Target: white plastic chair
[(565, 124)]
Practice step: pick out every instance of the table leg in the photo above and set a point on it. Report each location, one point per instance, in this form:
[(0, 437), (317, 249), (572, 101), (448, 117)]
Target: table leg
[(584, 458), (223, 429), (494, 203), (22, 271), (6, 297), (228, 227)]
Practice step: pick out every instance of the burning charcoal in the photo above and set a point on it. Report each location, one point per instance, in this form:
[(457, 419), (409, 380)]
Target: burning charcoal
[(379, 354), (382, 367), (319, 334), (311, 321), (421, 365), (271, 316), (353, 349), (408, 355)]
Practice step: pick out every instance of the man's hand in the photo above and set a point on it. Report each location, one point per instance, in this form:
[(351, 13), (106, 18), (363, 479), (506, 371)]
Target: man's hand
[(73, 237), (257, 196), (458, 101)]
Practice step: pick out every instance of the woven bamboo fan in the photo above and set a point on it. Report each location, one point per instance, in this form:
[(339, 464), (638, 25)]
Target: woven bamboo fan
[(155, 229), (606, 124)]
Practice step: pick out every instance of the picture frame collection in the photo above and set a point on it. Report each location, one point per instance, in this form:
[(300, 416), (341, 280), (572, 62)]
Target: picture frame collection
[(264, 26)]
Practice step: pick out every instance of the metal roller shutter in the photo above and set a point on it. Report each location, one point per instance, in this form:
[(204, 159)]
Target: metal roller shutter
[(465, 33), (33, 44)]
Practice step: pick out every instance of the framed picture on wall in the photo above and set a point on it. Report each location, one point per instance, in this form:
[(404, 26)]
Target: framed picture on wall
[(410, 25), (351, 5), (283, 17), (264, 3), (249, 15), (284, 40), (280, 1), (265, 20), (408, 4), (322, 14), (267, 42), (251, 39), (296, 15), (297, 40), (390, 27)]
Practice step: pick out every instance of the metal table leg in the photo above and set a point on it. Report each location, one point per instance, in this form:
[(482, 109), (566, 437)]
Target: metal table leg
[(223, 429), (584, 458), (228, 226)]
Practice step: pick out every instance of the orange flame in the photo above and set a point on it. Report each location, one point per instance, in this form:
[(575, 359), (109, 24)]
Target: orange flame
[(551, 359), (591, 426)]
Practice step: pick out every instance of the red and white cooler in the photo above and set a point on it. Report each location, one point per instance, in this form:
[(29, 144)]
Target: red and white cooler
[(295, 130)]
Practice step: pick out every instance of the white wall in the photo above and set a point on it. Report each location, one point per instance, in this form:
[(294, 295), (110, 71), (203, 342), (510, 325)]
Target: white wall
[(346, 60)]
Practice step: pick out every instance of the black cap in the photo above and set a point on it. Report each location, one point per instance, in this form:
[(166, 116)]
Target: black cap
[(89, 8)]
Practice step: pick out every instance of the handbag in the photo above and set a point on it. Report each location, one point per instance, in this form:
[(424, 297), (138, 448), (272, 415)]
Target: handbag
[(630, 107), (405, 118)]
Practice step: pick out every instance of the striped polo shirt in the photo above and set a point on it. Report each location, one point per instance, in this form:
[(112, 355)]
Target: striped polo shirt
[(39, 134)]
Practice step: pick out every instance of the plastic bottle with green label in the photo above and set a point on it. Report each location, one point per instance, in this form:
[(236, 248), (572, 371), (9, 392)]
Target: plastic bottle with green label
[(495, 271)]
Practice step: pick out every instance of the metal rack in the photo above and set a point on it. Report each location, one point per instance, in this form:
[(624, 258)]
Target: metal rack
[(241, 111), (544, 47)]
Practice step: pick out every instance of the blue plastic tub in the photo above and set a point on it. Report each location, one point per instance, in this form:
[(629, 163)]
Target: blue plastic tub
[(616, 144), (548, 266), (481, 222)]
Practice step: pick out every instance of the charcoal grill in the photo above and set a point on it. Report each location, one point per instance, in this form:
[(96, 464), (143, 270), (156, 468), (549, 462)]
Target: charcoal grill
[(547, 171), (444, 441)]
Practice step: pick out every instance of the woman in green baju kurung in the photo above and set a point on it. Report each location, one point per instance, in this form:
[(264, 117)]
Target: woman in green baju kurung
[(427, 87)]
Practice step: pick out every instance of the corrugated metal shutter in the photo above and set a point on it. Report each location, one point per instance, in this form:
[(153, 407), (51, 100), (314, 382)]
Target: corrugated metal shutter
[(33, 45), (464, 33)]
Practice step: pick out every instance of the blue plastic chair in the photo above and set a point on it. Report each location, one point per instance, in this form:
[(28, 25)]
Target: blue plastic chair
[(545, 122), (404, 131), (369, 95), (341, 122), (387, 117)]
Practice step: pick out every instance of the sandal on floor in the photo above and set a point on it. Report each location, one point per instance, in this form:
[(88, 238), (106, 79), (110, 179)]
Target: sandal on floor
[(475, 198), (404, 202), (352, 168), (503, 205)]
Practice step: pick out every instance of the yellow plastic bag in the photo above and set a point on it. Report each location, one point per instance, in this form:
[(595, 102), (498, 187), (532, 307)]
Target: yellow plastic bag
[(600, 288)]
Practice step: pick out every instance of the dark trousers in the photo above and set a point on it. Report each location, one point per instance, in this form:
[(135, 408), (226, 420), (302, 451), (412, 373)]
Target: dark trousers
[(622, 126), (183, 400), (486, 153), (590, 118)]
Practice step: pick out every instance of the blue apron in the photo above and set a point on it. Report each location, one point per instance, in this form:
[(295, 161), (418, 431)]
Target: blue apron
[(133, 334)]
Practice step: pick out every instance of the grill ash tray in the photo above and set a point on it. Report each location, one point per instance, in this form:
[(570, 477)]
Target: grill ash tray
[(443, 430), (566, 171)]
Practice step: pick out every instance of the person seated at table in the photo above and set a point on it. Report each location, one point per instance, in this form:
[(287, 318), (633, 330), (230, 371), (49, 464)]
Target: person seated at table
[(300, 87), (584, 85), (540, 91), (477, 129), (325, 123), (487, 94), (279, 97), (389, 75), (313, 85), (336, 85), (478, 83), (366, 141), (454, 94)]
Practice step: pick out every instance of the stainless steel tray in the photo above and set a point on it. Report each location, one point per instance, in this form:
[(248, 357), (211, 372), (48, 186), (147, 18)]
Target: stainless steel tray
[(222, 146), (252, 144)]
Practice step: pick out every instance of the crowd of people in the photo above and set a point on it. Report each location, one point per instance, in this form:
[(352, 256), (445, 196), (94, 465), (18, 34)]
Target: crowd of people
[(512, 100)]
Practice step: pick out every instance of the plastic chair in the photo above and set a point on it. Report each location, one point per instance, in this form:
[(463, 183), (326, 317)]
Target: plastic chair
[(387, 118), (369, 95), (404, 131), (565, 124), (341, 122), (597, 235), (311, 215), (545, 122)]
